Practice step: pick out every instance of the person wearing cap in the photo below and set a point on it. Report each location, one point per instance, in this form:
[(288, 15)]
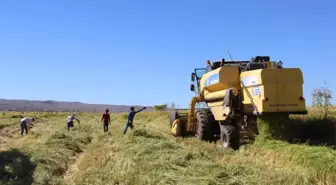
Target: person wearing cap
[(70, 121), (25, 123), (106, 120), (130, 118)]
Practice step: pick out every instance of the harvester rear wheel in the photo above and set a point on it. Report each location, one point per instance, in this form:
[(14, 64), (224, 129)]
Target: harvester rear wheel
[(229, 137), (205, 123)]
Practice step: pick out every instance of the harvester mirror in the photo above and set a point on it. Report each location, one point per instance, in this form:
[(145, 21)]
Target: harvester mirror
[(193, 76), (192, 87)]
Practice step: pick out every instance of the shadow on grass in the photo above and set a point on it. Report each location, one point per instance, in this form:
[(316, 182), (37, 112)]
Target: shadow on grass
[(15, 168), (3, 126), (311, 131)]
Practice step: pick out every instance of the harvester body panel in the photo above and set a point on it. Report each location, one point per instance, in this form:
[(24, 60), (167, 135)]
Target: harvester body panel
[(264, 91), (213, 85), (273, 91)]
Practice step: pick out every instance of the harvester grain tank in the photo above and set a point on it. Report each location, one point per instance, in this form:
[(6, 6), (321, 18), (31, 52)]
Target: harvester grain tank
[(236, 93)]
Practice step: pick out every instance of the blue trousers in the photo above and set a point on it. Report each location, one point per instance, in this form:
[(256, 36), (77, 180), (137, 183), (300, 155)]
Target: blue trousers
[(128, 124)]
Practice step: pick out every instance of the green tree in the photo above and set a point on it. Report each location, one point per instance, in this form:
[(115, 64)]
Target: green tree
[(160, 107)]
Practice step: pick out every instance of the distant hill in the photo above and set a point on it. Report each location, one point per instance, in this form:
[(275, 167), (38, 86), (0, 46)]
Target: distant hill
[(50, 105)]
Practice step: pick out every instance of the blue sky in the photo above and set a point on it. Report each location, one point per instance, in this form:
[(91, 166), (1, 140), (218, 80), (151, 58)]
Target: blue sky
[(142, 52)]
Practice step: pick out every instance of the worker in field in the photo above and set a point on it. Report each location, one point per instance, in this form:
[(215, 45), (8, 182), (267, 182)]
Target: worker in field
[(70, 121), (25, 124), (106, 120), (130, 118)]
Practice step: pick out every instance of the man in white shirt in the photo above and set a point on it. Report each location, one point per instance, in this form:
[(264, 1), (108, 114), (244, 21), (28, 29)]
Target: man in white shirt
[(70, 121), (25, 123)]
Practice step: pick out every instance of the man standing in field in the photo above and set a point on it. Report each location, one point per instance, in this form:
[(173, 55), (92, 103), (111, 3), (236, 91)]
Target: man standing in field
[(25, 124), (106, 120), (70, 121), (130, 118)]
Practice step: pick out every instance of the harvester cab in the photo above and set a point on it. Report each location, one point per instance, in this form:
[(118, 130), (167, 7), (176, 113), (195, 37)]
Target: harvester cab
[(199, 72), (236, 92)]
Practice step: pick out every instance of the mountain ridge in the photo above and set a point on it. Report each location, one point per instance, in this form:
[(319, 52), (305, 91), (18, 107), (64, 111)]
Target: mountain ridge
[(61, 106)]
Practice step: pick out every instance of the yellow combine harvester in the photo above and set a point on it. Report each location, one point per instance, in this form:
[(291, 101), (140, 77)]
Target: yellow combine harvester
[(235, 94)]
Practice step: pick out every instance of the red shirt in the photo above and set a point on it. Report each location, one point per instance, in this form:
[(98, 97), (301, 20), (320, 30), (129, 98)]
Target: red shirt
[(106, 117)]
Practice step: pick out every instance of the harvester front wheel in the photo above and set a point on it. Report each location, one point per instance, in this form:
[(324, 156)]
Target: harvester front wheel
[(229, 137), (205, 120)]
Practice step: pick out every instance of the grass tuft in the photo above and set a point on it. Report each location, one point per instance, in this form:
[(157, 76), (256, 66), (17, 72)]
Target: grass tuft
[(146, 134)]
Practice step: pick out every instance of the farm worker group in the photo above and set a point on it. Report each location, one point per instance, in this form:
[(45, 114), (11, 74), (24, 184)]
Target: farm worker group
[(105, 119)]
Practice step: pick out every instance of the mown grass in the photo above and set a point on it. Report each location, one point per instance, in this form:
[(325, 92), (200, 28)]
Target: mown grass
[(149, 154), (50, 148)]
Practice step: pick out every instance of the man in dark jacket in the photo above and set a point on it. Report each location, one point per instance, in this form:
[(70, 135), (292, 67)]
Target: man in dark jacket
[(130, 118)]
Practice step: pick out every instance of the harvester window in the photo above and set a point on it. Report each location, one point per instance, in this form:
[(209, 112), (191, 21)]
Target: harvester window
[(200, 72)]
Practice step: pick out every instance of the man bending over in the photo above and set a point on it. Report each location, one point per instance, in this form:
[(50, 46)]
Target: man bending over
[(25, 123), (70, 121)]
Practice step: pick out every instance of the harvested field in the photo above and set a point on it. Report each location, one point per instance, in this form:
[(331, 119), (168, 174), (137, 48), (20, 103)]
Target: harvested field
[(51, 154)]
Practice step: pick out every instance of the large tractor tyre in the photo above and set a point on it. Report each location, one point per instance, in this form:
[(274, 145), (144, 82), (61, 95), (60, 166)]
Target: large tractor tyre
[(205, 125), (173, 116), (230, 137)]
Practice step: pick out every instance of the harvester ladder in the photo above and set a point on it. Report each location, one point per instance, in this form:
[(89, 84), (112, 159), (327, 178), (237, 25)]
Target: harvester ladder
[(250, 97)]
